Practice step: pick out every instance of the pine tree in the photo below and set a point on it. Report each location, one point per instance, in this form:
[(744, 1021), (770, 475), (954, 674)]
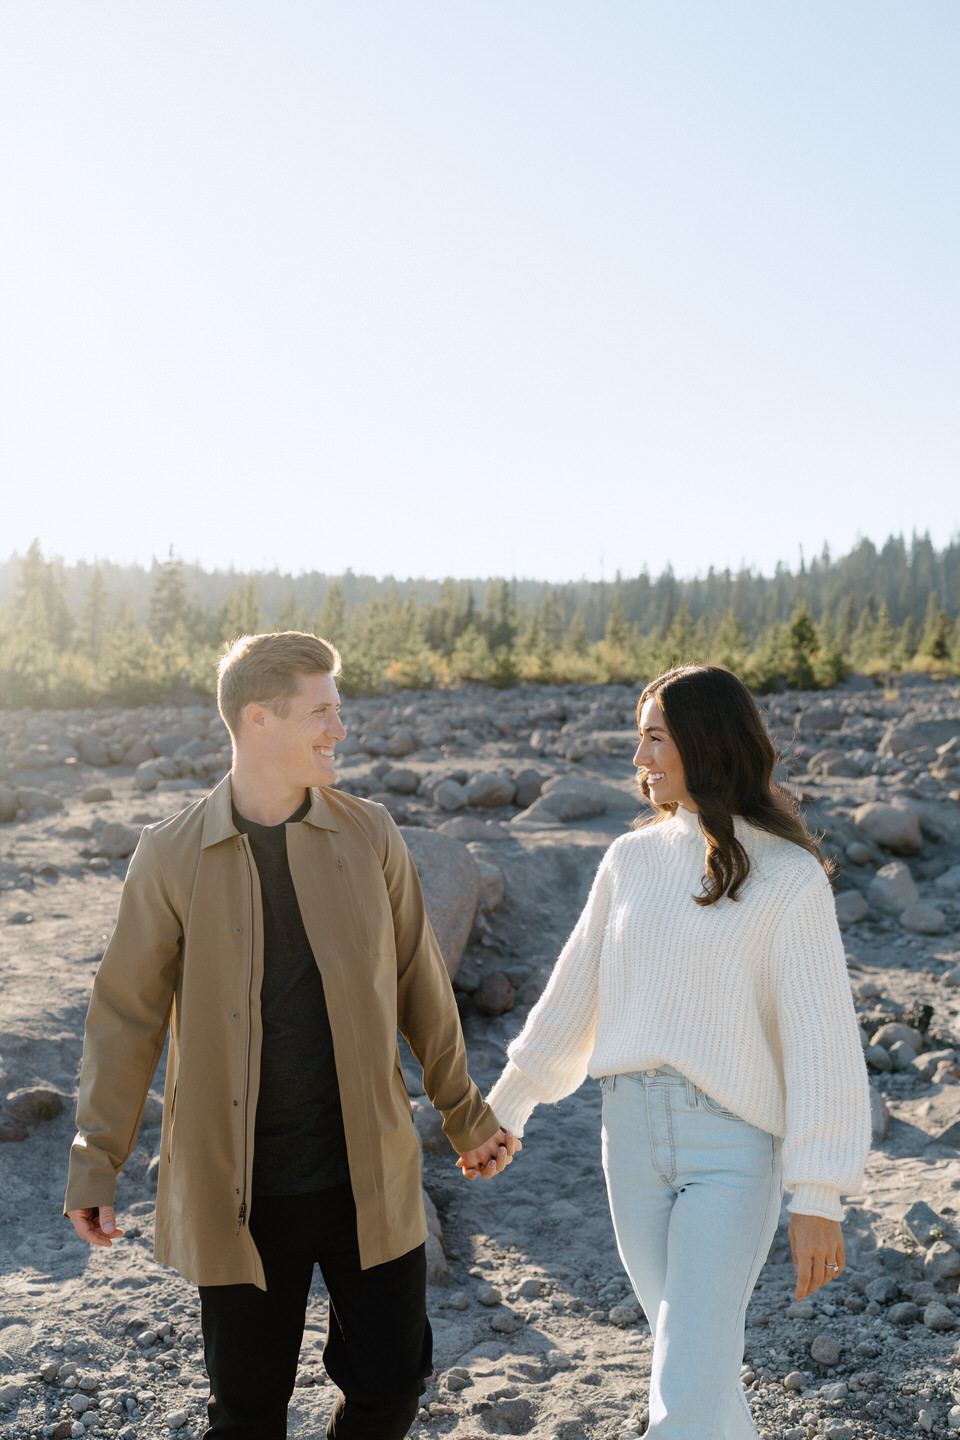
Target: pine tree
[(169, 610), (801, 644), (93, 615), (332, 621)]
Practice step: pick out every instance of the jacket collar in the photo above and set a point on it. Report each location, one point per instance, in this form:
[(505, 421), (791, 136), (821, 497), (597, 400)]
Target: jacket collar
[(218, 814)]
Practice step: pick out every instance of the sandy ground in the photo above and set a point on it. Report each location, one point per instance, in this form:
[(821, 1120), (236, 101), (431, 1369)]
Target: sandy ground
[(536, 1328)]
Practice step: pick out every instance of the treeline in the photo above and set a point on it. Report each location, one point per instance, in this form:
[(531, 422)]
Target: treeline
[(90, 634)]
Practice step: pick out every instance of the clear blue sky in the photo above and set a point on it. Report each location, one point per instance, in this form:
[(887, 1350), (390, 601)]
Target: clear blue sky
[(550, 289)]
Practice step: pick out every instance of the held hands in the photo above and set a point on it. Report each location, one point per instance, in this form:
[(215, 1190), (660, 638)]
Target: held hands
[(98, 1226), (489, 1158), (817, 1247)]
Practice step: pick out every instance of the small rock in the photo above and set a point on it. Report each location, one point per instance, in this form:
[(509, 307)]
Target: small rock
[(953, 1417), (858, 853), (925, 1421), (146, 1339), (825, 1350), (34, 1104), (893, 889), (939, 1317), (800, 1310), (490, 788), (402, 780), (492, 885), (796, 1380), (623, 1315), (836, 1391), (851, 907), (10, 1396), (96, 794), (894, 827), (528, 784), (530, 1287), (118, 841), (10, 1131), (176, 1419), (878, 1058), (902, 1055), (505, 1323), (489, 1295), (905, 1313), (884, 1289), (20, 917), (892, 1034), (450, 796), (941, 1261), (923, 919), (494, 995)]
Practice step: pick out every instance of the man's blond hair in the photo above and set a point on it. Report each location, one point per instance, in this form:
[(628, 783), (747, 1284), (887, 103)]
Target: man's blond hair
[(268, 669)]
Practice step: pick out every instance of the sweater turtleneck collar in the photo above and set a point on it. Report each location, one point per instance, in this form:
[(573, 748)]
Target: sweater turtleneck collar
[(688, 821)]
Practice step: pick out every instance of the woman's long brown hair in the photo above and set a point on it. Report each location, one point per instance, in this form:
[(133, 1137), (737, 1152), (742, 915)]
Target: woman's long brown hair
[(728, 763)]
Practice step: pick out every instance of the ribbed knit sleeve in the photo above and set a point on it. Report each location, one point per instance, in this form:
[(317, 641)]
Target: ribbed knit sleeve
[(549, 1057), (825, 1080)]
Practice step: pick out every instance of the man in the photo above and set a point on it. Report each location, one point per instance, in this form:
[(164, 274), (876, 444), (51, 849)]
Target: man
[(277, 929)]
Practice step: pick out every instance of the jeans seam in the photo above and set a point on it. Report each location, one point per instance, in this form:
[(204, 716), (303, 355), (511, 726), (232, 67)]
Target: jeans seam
[(745, 1295)]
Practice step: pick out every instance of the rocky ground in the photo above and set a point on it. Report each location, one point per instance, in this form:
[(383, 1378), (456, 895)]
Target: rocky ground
[(508, 801)]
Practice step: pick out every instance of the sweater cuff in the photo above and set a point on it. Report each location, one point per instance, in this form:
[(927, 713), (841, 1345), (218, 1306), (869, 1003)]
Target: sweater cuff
[(510, 1100), (822, 1200)]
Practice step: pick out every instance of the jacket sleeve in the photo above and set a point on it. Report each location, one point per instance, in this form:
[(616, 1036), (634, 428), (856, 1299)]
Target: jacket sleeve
[(549, 1058), (426, 1008), (827, 1093), (125, 1030)]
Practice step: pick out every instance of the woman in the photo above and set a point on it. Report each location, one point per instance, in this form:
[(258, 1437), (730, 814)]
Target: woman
[(705, 985)]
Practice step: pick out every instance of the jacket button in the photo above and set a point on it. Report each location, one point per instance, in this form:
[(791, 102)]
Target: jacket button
[(234, 1015), (238, 929)]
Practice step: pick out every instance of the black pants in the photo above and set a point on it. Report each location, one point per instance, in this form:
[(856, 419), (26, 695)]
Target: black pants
[(378, 1347)]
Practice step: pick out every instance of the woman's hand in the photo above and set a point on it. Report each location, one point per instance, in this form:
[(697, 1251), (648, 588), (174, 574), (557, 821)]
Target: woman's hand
[(491, 1157), (817, 1247)]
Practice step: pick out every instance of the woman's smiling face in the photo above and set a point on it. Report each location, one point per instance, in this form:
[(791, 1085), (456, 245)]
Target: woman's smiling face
[(657, 755)]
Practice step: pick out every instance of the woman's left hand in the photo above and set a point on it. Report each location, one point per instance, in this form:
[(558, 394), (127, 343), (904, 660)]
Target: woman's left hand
[(817, 1247)]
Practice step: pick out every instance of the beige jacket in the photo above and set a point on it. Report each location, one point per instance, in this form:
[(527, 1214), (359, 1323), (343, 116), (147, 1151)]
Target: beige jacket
[(187, 954)]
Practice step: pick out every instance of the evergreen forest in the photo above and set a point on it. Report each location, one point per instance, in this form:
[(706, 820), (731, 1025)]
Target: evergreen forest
[(98, 633)]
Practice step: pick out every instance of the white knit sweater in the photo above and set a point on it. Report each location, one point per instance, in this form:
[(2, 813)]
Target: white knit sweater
[(748, 998)]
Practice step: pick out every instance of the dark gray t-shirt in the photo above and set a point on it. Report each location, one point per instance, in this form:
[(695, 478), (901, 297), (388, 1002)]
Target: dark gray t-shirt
[(299, 1143)]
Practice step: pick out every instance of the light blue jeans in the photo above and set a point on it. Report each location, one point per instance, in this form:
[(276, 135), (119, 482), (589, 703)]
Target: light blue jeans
[(695, 1198)]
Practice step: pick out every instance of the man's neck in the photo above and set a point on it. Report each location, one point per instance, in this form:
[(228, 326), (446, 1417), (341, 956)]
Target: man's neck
[(260, 799)]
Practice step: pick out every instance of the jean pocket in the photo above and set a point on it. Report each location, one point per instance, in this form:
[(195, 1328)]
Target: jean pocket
[(607, 1084), (713, 1107)]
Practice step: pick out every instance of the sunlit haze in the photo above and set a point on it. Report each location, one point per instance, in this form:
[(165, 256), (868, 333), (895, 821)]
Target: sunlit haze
[(548, 289)]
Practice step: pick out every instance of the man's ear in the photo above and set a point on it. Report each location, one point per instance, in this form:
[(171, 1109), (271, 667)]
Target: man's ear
[(254, 717)]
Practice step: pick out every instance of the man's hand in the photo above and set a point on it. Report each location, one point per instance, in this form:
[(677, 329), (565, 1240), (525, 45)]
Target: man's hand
[(817, 1247), (491, 1157), (97, 1225)]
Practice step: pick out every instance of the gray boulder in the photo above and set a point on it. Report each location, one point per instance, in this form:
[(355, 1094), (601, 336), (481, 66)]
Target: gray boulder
[(895, 827), (93, 750), (923, 919), (818, 717), (528, 785), (402, 780), (450, 796), (37, 802), (949, 882), (118, 841), (897, 1034), (490, 788), (450, 877), (851, 907), (892, 889), (909, 735)]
